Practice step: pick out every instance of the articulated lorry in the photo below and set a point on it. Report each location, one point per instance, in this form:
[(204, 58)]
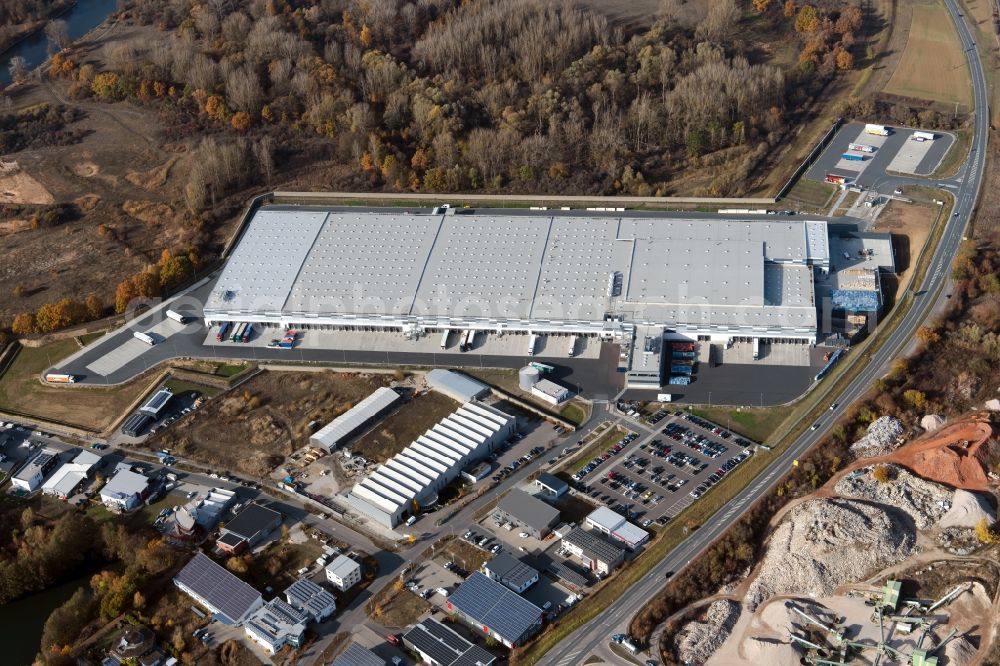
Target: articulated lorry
[(877, 130), (851, 157), (861, 147), (143, 337), (223, 330)]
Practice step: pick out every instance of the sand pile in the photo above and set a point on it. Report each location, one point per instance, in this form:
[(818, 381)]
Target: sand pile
[(931, 422), (967, 509), (958, 652), (956, 455), (697, 641), (925, 501), (883, 436), (821, 544), (992, 405), (771, 651)]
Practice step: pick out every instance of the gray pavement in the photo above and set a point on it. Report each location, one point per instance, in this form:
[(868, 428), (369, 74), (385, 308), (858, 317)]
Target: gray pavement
[(875, 165)]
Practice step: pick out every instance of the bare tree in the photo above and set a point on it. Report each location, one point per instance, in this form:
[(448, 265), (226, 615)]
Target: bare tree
[(18, 69), (243, 91), (720, 22), (57, 33)]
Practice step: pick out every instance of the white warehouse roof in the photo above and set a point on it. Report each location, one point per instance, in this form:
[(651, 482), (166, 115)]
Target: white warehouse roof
[(432, 459), (512, 271), (456, 385), (350, 421)]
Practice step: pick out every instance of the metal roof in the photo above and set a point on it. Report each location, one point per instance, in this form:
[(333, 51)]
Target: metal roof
[(355, 655), (277, 620), (36, 465), (309, 597), (594, 546), (223, 591), (126, 483), (550, 388), (252, 520), (444, 646), (155, 404), (551, 482), (511, 570), (605, 518), (347, 423), (494, 605), (342, 566), (509, 269), (456, 385), (529, 510)]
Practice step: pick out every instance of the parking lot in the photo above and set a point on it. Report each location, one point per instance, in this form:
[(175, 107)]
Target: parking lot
[(653, 480), (893, 153)]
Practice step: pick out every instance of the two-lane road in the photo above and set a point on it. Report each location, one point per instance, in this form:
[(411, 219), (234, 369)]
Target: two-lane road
[(575, 648)]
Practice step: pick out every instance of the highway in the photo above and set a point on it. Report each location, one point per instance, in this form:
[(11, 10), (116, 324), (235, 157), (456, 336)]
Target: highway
[(965, 186)]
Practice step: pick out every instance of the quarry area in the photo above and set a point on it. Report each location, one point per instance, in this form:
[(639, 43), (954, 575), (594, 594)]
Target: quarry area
[(887, 563)]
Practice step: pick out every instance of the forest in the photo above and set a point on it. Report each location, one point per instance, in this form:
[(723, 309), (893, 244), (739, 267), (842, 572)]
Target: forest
[(438, 95)]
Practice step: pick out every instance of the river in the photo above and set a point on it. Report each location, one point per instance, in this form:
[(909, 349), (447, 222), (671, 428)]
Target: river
[(21, 621), (83, 17)]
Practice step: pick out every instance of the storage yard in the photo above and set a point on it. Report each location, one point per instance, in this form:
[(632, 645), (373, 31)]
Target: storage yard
[(895, 151)]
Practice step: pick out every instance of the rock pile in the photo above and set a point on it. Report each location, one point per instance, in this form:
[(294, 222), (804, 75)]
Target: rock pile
[(697, 641), (883, 436), (823, 543), (967, 509), (925, 501), (932, 422)]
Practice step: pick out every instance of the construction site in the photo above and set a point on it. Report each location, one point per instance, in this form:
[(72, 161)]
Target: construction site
[(885, 564)]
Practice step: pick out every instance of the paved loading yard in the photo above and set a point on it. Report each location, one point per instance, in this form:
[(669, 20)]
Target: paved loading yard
[(663, 469), (893, 153)]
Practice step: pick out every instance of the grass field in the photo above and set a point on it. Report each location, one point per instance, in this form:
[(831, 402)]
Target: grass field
[(87, 338), (574, 413), (593, 449), (755, 423), (181, 386), (89, 408), (811, 193), (932, 66)]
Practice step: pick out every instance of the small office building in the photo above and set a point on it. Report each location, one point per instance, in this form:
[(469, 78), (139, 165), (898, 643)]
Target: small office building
[(343, 572), (528, 512), (248, 528), (125, 491), (311, 599), (355, 655), (550, 392), (276, 625), (68, 479), (512, 572), (438, 645), (551, 486), (595, 552), (29, 477), (614, 525)]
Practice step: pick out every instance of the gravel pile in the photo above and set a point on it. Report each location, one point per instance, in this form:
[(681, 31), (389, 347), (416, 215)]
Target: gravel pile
[(697, 641), (932, 422), (967, 509), (925, 501), (959, 652), (823, 543), (883, 436)]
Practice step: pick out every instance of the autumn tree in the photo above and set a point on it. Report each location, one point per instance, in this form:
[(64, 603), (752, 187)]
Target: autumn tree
[(240, 121), (807, 20), (790, 8), (24, 324), (928, 335), (985, 532), (845, 60), (915, 398), (761, 5), (883, 474), (94, 306)]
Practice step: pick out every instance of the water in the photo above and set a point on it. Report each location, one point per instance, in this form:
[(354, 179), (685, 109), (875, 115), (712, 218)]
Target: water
[(83, 17), (21, 621)]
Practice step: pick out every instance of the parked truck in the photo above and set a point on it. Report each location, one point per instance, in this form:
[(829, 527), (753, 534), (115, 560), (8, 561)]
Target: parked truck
[(681, 369), (682, 346), (679, 380), (176, 316), (247, 332), (238, 332), (922, 136), (861, 147), (444, 339), (288, 341), (683, 354), (223, 329), (571, 352), (144, 337), (532, 342), (55, 378), (851, 157), (466, 343), (756, 349), (877, 130), (835, 179)]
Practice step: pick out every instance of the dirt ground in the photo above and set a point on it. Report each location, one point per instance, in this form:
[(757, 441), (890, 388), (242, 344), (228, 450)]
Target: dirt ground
[(911, 222), (932, 65), (957, 455), (403, 426), (17, 187), (253, 428)]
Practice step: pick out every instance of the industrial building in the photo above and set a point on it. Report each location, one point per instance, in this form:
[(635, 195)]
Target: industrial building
[(275, 625), (355, 655), (551, 486), (527, 512), (29, 477), (596, 553), (154, 406), (248, 528), (125, 491), (614, 525), (343, 572), (495, 610), (439, 645), (542, 272), (70, 476), (412, 478), (222, 593), (512, 572), (311, 599), (550, 392), (350, 422), (455, 385)]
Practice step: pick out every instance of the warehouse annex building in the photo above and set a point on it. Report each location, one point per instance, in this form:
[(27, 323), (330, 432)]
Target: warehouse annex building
[(546, 272), (412, 478)]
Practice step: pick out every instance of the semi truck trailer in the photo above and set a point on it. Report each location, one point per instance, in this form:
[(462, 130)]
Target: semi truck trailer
[(851, 157), (861, 147), (532, 342), (176, 316), (55, 378), (877, 130), (143, 337), (223, 329)]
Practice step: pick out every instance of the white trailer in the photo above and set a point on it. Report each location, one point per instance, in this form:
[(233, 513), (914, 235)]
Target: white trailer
[(877, 130), (466, 343), (922, 136), (756, 349), (55, 378), (444, 339), (532, 342), (176, 316), (143, 337), (571, 352), (861, 147)]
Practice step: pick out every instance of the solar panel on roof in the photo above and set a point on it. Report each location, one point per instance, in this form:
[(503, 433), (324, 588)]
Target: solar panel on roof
[(493, 605), (221, 589)]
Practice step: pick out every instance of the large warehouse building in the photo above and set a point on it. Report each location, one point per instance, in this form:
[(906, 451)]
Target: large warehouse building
[(543, 272), (414, 476)]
